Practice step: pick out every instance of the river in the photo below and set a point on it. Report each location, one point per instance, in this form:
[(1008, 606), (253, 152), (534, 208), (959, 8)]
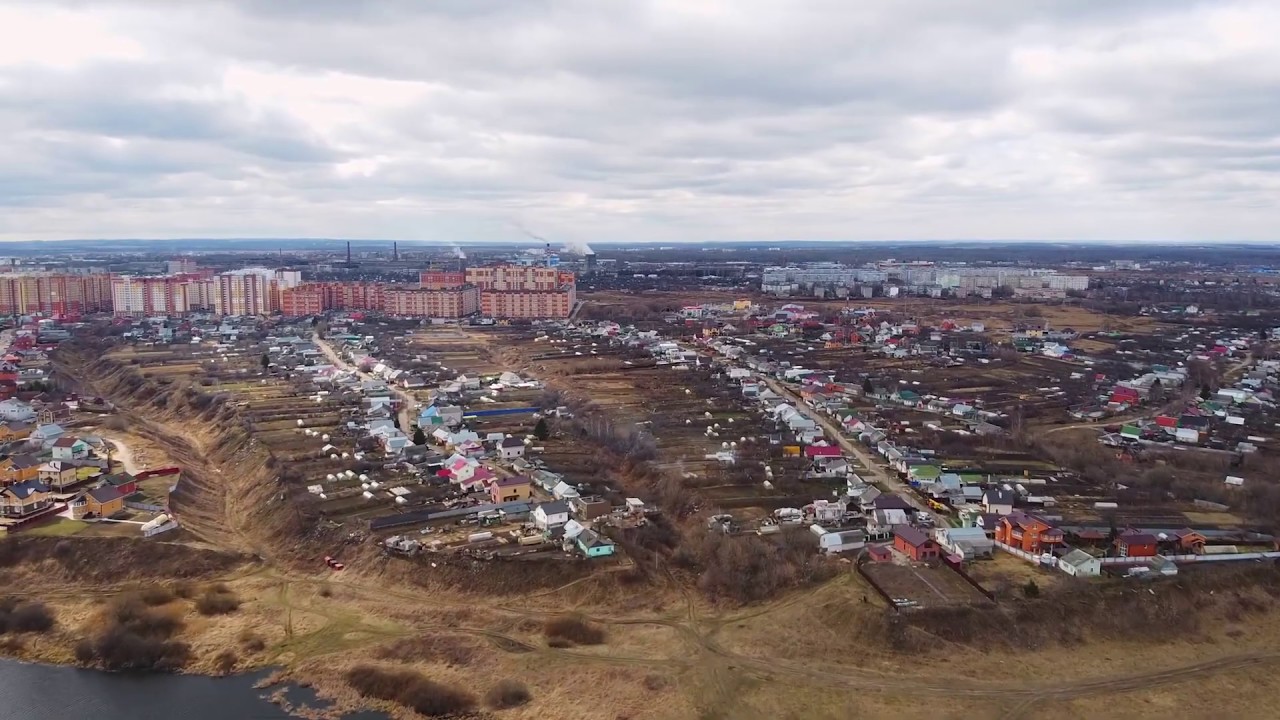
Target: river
[(45, 692)]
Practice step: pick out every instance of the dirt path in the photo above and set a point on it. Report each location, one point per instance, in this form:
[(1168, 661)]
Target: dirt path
[(123, 453), (868, 461), (407, 401)]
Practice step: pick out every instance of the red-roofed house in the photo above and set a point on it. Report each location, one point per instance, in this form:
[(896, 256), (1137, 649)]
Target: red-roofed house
[(1165, 421), (822, 451), (915, 544)]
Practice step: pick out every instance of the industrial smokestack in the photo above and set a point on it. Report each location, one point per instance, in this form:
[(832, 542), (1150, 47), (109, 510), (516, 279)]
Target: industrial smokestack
[(348, 252), (395, 251)]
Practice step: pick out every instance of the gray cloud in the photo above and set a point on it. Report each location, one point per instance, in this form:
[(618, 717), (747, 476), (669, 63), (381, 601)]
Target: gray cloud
[(649, 119)]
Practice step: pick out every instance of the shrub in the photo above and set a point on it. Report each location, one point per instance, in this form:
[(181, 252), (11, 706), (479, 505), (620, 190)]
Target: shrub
[(119, 649), (217, 600), (252, 641), (136, 637), (24, 616), (507, 694), (574, 629), (225, 662), (1031, 589), (411, 690)]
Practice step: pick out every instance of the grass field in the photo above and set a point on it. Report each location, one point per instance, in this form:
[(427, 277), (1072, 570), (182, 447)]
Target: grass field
[(58, 527)]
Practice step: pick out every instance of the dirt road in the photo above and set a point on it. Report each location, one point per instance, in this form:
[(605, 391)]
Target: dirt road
[(864, 456), (407, 401)]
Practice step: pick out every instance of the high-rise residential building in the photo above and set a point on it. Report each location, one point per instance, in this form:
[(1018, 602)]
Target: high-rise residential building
[(142, 296), (54, 293), (524, 291), (455, 302), (181, 266), (249, 291), (441, 279)]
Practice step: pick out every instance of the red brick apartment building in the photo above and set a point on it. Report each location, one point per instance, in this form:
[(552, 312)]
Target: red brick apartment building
[(54, 293), (524, 291)]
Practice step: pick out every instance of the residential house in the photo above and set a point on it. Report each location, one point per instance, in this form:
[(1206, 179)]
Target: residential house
[(24, 499), (19, 468), (511, 448), (15, 430), (47, 434), (1028, 533), (969, 543), (1079, 563), (510, 489), (998, 501), (590, 507), (70, 447), (126, 483), (550, 515), (58, 475), (896, 511), (14, 410), (102, 502), (593, 544), (915, 544), (1135, 543), (1187, 540)]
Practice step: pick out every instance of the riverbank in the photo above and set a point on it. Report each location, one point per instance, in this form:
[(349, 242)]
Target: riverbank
[(25, 688)]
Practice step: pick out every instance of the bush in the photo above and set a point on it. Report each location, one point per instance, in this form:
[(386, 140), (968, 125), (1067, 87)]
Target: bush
[(225, 662), (507, 694), (119, 649), (252, 641), (573, 629), (410, 689), (136, 637), (24, 616), (1031, 589), (217, 600)]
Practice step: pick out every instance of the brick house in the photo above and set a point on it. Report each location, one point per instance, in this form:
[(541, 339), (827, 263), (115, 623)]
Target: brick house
[(915, 544), (1028, 533)]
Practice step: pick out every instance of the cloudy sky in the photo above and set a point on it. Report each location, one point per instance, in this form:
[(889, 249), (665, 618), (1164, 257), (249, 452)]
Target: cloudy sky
[(600, 120)]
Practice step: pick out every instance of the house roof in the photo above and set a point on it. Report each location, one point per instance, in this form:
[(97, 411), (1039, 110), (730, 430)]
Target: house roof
[(106, 494), (1076, 558), (998, 496), (591, 538), (24, 490), (512, 442), (891, 502), (513, 481), (118, 479), (556, 507), (66, 441), (1137, 538), (912, 536)]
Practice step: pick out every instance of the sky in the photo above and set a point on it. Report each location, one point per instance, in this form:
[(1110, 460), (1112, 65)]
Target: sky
[(641, 120)]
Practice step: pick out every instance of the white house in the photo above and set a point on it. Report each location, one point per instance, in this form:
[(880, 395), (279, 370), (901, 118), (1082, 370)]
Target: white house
[(511, 448), (550, 515), (998, 501), (14, 410), (1079, 563)]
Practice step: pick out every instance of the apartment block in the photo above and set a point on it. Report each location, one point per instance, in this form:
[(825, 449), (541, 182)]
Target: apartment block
[(54, 293)]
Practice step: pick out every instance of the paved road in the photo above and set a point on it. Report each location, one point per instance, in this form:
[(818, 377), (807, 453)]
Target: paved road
[(407, 401), (873, 470)]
